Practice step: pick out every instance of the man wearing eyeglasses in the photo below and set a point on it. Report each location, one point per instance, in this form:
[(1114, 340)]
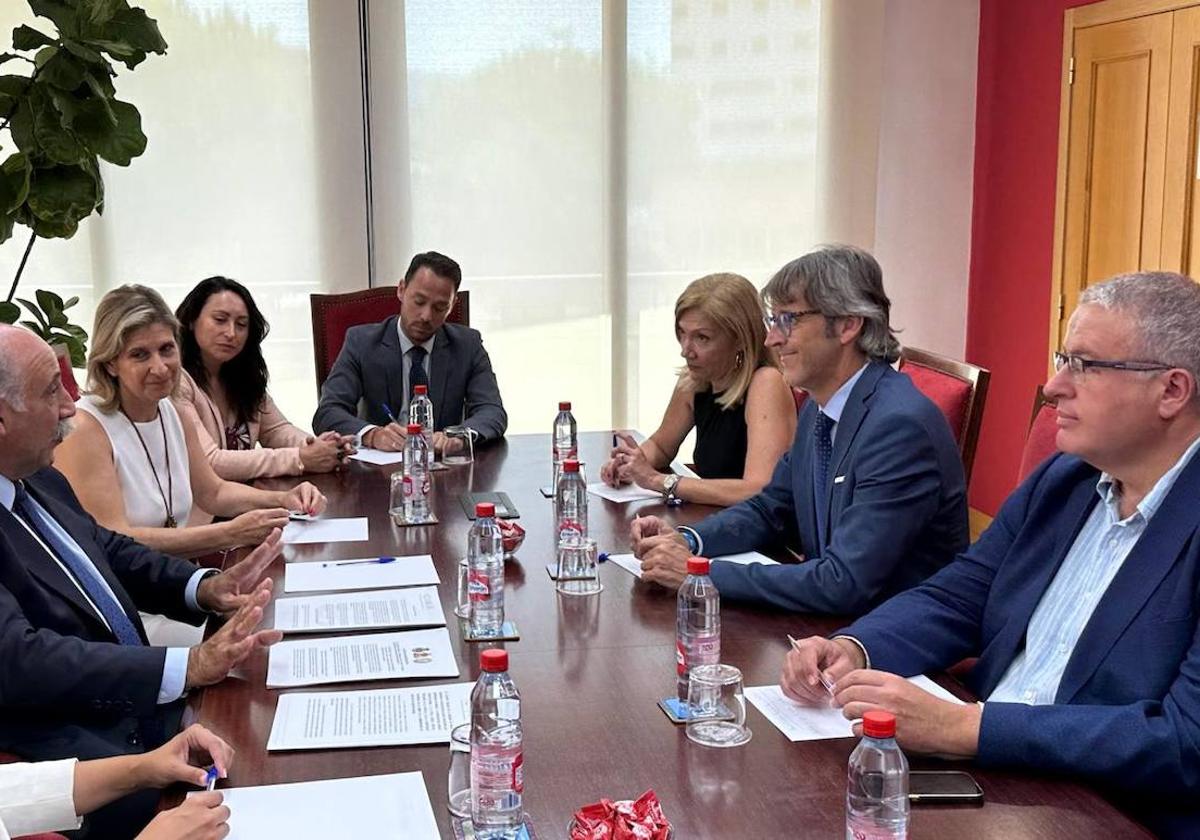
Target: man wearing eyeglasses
[(872, 490), (1081, 599)]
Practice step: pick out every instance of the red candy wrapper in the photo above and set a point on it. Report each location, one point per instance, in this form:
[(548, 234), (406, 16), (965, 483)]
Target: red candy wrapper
[(641, 819), (511, 535)]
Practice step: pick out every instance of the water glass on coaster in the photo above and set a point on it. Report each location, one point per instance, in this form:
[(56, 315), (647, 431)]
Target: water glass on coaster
[(577, 572), (462, 608), (458, 784), (454, 455), (717, 707)]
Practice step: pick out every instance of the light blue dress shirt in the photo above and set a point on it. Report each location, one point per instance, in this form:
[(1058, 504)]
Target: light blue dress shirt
[(175, 666), (1092, 562)]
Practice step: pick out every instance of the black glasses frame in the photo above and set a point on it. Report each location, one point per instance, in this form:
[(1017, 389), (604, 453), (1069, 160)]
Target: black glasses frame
[(1078, 364)]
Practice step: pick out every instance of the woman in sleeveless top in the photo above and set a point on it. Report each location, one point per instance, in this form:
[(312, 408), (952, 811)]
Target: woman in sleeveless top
[(730, 391), (135, 466), (223, 391)]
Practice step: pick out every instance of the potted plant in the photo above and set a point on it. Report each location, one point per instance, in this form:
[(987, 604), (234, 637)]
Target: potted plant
[(63, 117)]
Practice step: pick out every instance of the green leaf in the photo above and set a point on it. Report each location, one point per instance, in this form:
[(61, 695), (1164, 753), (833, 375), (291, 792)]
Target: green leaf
[(9, 312), (14, 85), (28, 38), (55, 139), (117, 144), (102, 10), (14, 182), (64, 16), (60, 197), (62, 70), (34, 326), (21, 127), (82, 51), (99, 79), (41, 325), (77, 331), (50, 302), (74, 347), (69, 302), (6, 227), (7, 57), (128, 37)]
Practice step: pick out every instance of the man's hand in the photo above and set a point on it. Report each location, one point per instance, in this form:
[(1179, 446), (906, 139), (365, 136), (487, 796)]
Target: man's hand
[(924, 723), (212, 660), (185, 759), (664, 559), (444, 445), (812, 658), (229, 590), (645, 527), (200, 817), (389, 438), (304, 498)]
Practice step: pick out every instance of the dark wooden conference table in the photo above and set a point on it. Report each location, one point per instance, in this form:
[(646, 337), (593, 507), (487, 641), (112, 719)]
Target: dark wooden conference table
[(591, 670)]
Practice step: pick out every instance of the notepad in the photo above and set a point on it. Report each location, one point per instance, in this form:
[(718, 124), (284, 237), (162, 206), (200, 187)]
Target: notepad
[(353, 529), (377, 456), (344, 575), (621, 495), (370, 610)]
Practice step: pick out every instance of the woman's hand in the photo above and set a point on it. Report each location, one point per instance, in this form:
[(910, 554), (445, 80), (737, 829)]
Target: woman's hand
[(634, 466), (305, 498), (320, 455), (185, 759), (253, 526)]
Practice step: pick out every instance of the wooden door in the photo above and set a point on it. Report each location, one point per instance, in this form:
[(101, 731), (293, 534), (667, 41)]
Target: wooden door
[(1181, 222), (1116, 155)]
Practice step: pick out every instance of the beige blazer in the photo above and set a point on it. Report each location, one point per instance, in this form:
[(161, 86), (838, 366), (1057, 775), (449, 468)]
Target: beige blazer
[(279, 453)]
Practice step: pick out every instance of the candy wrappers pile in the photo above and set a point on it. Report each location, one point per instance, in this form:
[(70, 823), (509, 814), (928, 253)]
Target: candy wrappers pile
[(511, 535), (607, 820)]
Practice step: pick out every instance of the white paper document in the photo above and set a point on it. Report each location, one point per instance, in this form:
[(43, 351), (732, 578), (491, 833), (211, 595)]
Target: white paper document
[(394, 805), (371, 610), (379, 656), (344, 575), (353, 529), (807, 723), (377, 456), (628, 493), (634, 566), (380, 717)]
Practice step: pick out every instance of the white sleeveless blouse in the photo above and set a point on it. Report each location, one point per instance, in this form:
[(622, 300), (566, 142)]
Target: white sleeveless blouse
[(144, 507)]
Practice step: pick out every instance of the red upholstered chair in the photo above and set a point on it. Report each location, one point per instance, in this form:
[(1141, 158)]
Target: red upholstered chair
[(332, 315), (1039, 442), (41, 837), (68, 376), (957, 388)]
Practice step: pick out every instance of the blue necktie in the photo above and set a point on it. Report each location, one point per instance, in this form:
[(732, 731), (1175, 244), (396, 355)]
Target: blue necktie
[(416, 373), (81, 567), (823, 450)]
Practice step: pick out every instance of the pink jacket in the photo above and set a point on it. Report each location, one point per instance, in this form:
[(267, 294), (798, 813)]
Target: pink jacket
[(279, 453)]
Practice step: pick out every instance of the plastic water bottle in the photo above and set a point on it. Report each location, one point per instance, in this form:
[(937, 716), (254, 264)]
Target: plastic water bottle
[(570, 504), (416, 476), (697, 624), (497, 763), (565, 440), (877, 783), (485, 573), (420, 411)]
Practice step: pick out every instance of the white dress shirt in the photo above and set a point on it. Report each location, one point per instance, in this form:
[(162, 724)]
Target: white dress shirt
[(406, 344), (37, 797)]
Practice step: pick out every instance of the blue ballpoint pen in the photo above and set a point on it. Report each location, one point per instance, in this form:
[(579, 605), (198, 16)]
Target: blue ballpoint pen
[(391, 417), (359, 562), (210, 778)]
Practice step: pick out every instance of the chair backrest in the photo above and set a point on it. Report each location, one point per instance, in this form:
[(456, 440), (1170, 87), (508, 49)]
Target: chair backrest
[(333, 315), (68, 377), (1040, 441), (957, 388)]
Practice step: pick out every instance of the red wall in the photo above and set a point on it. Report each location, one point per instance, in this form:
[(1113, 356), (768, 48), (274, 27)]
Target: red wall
[(1012, 233)]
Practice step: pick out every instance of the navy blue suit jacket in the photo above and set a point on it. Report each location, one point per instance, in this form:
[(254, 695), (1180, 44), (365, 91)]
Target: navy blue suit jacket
[(66, 687), (896, 510), (1127, 712)]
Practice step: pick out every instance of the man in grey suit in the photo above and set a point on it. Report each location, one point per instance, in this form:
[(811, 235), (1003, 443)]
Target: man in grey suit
[(372, 381)]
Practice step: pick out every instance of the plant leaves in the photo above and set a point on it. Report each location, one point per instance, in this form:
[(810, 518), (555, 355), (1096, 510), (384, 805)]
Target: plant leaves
[(53, 138), (50, 302), (60, 197), (33, 325), (62, 70), (117, 144), (14, 182), (77, 331), (69, 302), (128, 37), (41, 325), (9, 312), (64, 17), (53, 230), (101, 11), (21, 127), (27, 38), (82, 51), (6, 227)]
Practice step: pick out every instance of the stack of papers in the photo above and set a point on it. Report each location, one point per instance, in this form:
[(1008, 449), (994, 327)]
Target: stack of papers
[(810, 723), (377, 656), (342, 575), (628, 493), (380, 717), (373, 610), (634, 566), (325, 531), (394, 805), (377, 456)]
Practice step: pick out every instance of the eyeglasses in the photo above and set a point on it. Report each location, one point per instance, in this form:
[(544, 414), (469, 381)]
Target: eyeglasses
[(1078, 365), (784, 321)]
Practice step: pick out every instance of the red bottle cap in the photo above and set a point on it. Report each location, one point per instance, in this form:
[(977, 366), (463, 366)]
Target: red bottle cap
[(420, 389), (879, 724), (414, 428), (564, 406), (697, 566), (570, 466), (494, 660), (485, 509)]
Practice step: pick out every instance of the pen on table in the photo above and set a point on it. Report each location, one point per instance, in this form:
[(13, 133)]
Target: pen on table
[(602, 557), (359, 562), (391, 417), (210, 778), (820, 675)]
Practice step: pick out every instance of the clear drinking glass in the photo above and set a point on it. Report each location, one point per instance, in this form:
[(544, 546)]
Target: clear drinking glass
[(458, 784), (462, 609), (466, 454), (717, 706), (577, 572), (396, 505)]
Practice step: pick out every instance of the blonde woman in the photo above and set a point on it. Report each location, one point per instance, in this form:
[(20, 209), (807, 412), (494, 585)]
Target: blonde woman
[(731, 391), (131, 461)]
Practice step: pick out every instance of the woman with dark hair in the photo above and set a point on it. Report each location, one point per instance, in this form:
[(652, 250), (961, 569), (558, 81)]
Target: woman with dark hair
[(223, 390)]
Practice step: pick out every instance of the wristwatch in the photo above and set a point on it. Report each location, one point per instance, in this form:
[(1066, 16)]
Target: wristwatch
[(668, 491)]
